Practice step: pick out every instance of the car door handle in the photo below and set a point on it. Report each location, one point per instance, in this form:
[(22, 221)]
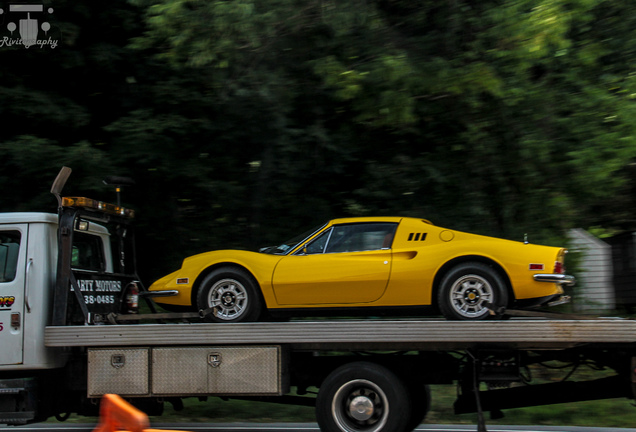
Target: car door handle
[(406, 255)]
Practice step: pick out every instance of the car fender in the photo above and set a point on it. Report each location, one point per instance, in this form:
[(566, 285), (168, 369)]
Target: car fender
[(260, 266), (194, 269), (488, 260)]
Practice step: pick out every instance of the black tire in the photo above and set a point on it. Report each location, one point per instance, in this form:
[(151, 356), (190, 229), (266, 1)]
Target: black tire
[(362, 397), (233, 293), (466, 288), (420, 397)]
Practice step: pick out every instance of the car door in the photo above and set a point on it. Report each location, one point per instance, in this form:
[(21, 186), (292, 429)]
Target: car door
[(347, 264), (13, 241)]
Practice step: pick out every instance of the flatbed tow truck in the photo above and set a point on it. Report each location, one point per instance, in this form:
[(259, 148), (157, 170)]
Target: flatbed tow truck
[(71, 335)]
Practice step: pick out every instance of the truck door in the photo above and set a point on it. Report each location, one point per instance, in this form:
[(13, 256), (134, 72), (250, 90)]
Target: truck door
[(13, 268)]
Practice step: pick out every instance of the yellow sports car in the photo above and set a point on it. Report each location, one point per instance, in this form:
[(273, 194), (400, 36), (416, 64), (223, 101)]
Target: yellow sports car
[(374, 266)]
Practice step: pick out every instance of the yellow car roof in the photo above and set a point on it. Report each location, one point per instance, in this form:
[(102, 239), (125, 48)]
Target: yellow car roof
[(395, 219)]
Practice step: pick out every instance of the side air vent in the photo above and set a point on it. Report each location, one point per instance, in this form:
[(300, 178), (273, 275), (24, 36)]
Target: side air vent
[(417, 237)]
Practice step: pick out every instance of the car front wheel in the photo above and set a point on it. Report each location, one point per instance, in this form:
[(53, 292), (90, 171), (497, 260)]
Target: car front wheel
[(232, 294), (468, 289)]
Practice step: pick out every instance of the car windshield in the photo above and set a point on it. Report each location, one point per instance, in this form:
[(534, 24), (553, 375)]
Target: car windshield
[(289, 245)]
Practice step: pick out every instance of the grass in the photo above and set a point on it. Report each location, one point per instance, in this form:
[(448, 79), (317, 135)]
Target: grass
[(218, 410), (602, 413)]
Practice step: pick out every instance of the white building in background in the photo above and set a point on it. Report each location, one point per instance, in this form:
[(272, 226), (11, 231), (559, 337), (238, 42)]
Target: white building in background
[(594, 289)]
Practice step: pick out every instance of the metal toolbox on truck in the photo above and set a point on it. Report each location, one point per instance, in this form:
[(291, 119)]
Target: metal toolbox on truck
[(180, 371), (122, 371)]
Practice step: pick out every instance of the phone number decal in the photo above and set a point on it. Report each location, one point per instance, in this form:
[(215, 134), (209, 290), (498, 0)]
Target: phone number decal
[(99, 299)]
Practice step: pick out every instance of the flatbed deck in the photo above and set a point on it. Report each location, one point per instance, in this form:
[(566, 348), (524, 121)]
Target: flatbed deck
[(423, 335)]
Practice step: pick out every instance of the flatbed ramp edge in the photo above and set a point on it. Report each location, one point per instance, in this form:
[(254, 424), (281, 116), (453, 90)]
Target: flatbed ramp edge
[(356, 334)]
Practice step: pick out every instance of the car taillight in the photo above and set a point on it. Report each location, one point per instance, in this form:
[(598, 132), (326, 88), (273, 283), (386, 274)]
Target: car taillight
[(559, 268), (132, 298)]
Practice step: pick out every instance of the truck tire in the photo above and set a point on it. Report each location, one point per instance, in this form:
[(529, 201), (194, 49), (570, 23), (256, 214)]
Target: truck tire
[(362, 397), (232, 293), (420, 397), (465, 290)]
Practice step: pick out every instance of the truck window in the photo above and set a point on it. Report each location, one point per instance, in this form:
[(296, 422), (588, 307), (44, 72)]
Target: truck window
[(9, 249), (87, 252)]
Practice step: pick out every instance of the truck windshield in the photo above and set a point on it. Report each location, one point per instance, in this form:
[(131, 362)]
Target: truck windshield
[(289, 245)]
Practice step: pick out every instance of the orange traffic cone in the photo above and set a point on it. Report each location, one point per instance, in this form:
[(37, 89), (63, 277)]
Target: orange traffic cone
[(115, 414)]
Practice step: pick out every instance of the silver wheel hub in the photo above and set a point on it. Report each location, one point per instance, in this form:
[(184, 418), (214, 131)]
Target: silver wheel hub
[(469, 295), (360, 406), (229, 298)]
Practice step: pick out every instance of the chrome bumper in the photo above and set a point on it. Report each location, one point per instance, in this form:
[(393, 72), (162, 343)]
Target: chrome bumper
[(560, 279)]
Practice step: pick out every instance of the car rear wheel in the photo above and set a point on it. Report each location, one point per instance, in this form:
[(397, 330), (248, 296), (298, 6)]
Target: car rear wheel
[(467, 289), (232, 294), (362, 397)]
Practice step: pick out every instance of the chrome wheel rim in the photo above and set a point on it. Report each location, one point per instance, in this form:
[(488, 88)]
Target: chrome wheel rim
[(229, 299), (469, 295), (360, 406)]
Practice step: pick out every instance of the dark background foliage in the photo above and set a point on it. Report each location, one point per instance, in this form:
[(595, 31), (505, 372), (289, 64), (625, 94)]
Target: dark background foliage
[(245, 122)]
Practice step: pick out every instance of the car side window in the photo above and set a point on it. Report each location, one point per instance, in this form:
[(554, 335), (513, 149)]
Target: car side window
[(361, 237), (9, 250), (318, 245)]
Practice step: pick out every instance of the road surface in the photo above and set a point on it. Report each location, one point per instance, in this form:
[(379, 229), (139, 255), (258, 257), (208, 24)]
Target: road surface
[(297, 427)]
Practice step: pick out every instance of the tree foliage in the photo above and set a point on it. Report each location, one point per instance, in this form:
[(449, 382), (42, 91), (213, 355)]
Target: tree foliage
[(246, 121)]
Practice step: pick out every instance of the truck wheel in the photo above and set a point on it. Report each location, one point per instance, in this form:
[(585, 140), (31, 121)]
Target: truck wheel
[(420, 396), (233, 295), (467, 288), (362, 397)]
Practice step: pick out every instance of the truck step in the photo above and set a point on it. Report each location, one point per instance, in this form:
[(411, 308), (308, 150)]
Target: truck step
[(17, 401), (16, 390), (16, 418)]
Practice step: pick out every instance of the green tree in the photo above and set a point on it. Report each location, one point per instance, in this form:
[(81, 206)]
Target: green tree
[(247, 121)]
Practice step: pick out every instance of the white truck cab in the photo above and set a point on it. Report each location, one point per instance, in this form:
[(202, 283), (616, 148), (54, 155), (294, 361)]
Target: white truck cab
[(28, 265), (73, 268)]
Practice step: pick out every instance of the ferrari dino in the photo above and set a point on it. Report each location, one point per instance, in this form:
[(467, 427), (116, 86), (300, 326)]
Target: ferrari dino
[(372, 266)]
